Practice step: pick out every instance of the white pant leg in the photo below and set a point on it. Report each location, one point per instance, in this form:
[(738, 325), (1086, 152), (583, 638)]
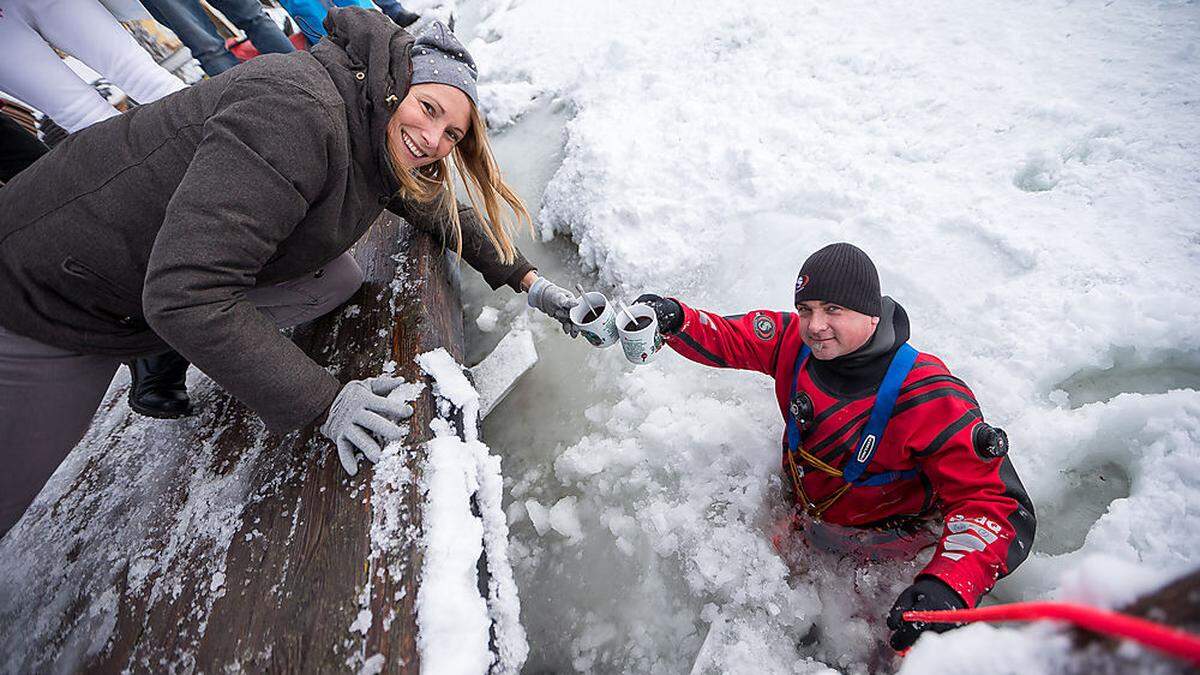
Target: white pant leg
[(85, 29), (32, 72)]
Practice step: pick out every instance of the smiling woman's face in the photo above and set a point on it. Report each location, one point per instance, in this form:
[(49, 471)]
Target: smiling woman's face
[(428, 123)]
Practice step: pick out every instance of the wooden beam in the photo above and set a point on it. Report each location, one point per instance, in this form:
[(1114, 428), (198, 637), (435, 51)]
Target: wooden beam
[(208, 544)]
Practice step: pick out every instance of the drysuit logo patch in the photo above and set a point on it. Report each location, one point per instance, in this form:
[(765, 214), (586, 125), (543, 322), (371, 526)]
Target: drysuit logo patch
[(867, 449), (764, 327)]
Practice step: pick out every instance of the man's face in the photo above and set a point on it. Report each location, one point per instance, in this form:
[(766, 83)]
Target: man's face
[(831, 330), (428, 123)]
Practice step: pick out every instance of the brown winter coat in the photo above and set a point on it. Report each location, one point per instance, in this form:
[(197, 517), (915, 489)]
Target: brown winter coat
[(146, 230)]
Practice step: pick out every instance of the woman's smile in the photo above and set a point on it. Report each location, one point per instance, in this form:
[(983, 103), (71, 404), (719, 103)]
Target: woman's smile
[(411, 145)]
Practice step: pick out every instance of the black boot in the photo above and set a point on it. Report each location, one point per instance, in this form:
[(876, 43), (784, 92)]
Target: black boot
[(159, 387), (404, 18)]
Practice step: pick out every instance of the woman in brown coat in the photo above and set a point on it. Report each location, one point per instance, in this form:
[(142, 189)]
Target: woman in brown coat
[(183, 230)]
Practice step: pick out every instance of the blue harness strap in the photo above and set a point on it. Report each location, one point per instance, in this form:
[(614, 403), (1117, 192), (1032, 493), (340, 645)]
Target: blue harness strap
[(885, 401), (793, 429)]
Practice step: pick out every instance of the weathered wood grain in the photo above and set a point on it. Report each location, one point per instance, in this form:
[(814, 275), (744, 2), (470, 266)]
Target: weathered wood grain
[(209, 545)]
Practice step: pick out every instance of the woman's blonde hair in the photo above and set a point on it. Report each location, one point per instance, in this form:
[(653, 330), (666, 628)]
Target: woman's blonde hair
[(474, 163)]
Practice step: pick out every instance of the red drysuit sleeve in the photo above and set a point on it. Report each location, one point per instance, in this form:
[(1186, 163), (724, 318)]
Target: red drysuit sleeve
[(989, 520), (746, 341)]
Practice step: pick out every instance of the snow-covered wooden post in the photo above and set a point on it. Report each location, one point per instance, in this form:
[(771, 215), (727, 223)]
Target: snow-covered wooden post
[(208, 544)]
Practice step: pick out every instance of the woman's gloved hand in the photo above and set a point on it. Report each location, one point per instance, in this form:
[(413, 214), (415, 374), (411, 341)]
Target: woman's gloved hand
[(361, 416), (670, 313), (554, 301), (925, 593)]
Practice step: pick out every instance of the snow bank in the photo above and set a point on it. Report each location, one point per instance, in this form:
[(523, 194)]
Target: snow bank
[(454, 619), (1025, 177)]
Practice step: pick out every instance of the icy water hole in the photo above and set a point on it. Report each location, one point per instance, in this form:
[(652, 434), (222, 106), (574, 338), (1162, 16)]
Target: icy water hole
[(546, 410), (1129, 374), (568, 583), (1088, 491), (588, 609)]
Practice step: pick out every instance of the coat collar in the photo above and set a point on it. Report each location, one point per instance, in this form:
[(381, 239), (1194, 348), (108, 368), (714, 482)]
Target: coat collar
[(369, 60)]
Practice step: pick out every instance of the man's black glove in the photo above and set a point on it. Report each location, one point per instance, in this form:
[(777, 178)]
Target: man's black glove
[(925, 593), (670, 314)]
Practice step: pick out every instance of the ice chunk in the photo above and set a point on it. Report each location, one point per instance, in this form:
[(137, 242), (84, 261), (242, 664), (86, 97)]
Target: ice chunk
[(486, 321), (565, 519), (538, 515), (497, 374)]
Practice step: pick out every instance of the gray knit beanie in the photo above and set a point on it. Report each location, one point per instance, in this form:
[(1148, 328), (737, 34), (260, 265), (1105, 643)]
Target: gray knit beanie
[(841, 274), (438, 56)]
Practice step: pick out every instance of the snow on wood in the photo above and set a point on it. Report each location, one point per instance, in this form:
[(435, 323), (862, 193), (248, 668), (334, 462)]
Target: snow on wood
[(208, 544), (464, 518)]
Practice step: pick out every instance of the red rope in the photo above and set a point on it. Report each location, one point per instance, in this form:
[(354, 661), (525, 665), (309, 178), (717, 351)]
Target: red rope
[(1164, 638)]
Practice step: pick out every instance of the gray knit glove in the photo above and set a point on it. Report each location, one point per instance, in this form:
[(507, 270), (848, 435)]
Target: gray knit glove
[(554, 301), (362, 418)]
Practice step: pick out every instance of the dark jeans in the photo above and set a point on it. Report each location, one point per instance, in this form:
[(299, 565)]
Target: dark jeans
[(187, 20), (390, 7), (18, 148)]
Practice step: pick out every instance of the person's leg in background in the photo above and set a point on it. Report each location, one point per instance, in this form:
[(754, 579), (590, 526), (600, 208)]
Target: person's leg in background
[(396, 12), (248, 15), (84, 29), (48, 397), (18, 148), (31, 71), (309, 15), (187, 19)]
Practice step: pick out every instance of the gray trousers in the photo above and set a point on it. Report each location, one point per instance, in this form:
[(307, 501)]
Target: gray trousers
[(48, 395)]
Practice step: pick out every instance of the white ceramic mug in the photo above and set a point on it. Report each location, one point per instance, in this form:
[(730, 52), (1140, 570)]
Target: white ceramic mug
[(601, 331), (641, 345)]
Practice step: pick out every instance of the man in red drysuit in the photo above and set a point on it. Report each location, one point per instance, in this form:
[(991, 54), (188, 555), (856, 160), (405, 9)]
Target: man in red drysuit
[(880, 438)]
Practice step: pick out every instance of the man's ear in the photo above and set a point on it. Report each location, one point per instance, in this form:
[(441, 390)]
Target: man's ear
[(874, 321)]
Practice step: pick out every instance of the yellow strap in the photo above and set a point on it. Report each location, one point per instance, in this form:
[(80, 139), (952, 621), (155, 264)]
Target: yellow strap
[(819, 509), (821, 466), (813, 509)]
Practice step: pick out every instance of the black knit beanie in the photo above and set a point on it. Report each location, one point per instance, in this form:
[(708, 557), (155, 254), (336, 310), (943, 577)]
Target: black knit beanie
[(841, 274)]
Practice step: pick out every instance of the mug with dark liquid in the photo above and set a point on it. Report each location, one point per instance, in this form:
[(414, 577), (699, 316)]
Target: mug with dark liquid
[(596, 320), (640, 338)]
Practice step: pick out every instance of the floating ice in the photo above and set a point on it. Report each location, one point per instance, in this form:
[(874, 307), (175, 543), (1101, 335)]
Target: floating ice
[(486, 321), (1037, 222), (497, 374)]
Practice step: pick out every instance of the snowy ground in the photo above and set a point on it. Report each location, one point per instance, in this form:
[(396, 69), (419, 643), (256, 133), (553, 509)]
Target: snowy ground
[(1025, 176)]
